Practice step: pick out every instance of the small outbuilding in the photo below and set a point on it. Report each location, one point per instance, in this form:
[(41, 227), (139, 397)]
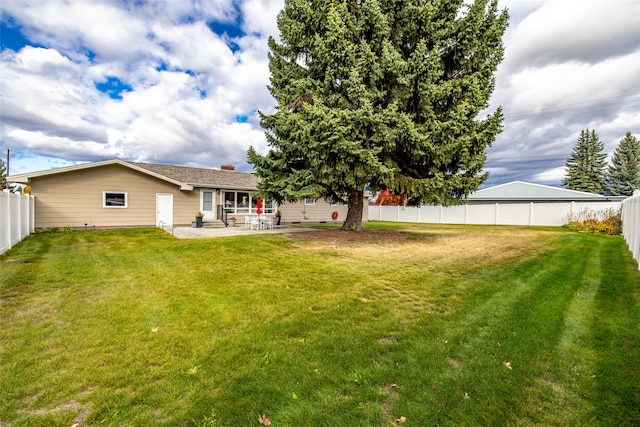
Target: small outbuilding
[(524, 192)]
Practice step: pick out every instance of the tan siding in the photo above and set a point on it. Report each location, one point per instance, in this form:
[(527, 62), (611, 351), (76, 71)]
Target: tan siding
[(75, 198), (320, 212)]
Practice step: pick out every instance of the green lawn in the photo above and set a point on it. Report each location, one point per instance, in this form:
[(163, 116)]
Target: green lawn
[(415, 326)]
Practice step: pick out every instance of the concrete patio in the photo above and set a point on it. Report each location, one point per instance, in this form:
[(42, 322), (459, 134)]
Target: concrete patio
[(205, 232)]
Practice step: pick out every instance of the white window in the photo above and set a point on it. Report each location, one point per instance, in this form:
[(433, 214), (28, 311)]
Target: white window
[(237, 202), (309, 202), (114, 199), (207, 201)]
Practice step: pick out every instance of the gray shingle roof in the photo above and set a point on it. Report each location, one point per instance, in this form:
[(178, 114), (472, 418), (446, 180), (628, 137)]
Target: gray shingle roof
[(199, 177)]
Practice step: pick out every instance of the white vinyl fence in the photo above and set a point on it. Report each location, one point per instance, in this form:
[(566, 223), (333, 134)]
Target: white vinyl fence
[(533, 214), (631, 224), (16, 218)]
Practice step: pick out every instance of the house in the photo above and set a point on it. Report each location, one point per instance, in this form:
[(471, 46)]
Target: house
[(118, 194)]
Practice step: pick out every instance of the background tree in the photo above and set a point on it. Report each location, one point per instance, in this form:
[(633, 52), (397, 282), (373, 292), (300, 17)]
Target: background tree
[(623, 174), (381, 92), (586, 164), (385, 198), (3, 175)]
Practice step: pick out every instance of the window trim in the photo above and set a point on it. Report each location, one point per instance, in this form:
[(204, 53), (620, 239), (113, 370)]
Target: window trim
[(308, 201), (236, 208), (203, 200), (104, 200)]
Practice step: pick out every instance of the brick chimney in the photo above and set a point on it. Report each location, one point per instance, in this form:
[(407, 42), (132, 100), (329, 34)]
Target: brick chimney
[(227, 168)]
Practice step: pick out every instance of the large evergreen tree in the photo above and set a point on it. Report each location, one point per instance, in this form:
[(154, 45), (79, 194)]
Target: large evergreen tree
[(586, 164), (623, 174), (384, 93)]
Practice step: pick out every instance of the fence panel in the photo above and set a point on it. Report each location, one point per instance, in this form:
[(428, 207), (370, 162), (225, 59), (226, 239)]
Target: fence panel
[(14, 217), (430, 214), (17, 215), (407, 215), (514, 214), (531, 213), (24, 206), (481, 214), (631, 224), (5, 223)]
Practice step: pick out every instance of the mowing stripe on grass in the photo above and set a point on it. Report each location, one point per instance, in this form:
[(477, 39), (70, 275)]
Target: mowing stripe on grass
[(512, 342), (560, 395), (136, 328), (615, 332)]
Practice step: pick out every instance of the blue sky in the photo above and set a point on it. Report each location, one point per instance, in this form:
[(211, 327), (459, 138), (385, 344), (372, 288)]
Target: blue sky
[(181, 82)]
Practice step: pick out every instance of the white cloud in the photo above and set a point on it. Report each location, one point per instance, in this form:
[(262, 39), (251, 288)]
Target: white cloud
[(562, 30), (36, 60), (551, 176), (194, 47), (102, 27), (219, 10), (169, 115), (57, 146), (44, 91), (568, 65), (260, 16)]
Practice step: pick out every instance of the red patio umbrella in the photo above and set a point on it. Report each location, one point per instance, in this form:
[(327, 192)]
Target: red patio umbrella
[(259, 208)]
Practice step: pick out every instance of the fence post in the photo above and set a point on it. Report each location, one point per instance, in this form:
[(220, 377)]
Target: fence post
[(24, 216), (5, 221), (530, 214), (631, 224), (32, 214), (635, 230), (16, 226)]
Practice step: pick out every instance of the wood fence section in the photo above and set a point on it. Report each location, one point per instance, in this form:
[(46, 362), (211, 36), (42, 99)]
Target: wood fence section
[(631, 224), (16, 218)]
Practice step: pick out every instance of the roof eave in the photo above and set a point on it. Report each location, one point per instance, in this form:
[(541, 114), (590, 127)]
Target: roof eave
[(224, 186), (27, 177), (20, 179), (548, 199)]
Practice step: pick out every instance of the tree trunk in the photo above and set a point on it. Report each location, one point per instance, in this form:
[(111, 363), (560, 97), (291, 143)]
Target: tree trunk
[(354, 211)]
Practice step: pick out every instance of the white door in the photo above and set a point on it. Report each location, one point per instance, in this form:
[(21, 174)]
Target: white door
[(207, 202), (164, 209)]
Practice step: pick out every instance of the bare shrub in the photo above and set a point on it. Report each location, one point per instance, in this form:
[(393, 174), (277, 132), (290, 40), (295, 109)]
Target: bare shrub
[(595, 220)]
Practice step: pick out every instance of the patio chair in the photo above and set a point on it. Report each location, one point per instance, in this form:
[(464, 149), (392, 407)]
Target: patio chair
[(255, 223), (266, 221), (247, 222)]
